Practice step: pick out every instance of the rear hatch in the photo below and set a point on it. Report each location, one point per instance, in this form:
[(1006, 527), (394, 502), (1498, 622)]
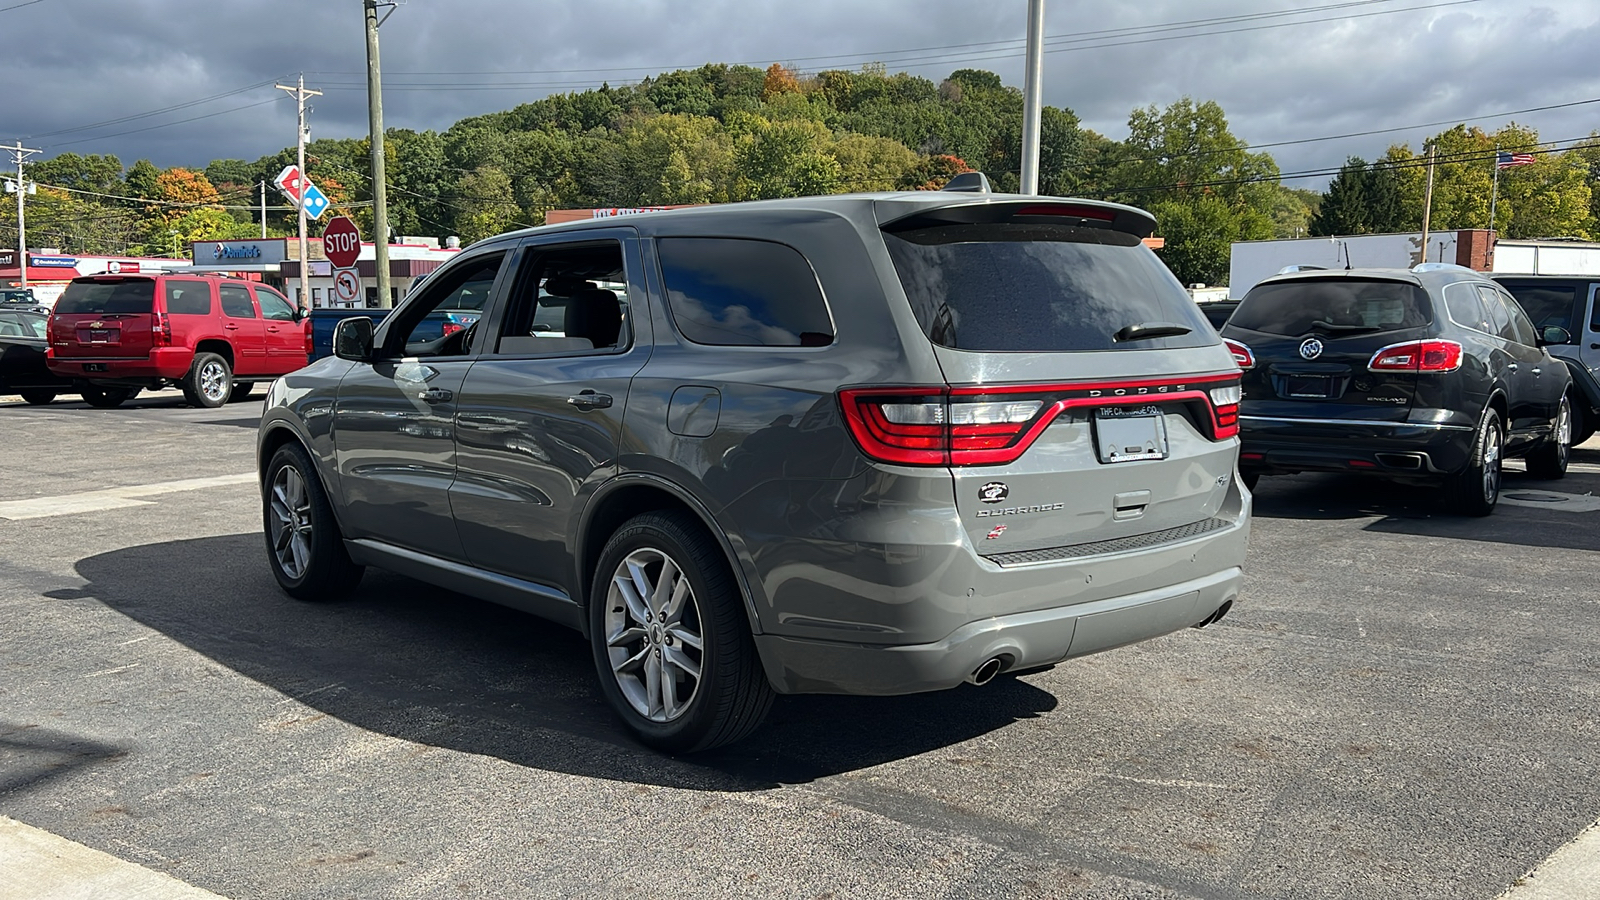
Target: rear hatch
[(1313, 341), (105, 317), (1080, 402)]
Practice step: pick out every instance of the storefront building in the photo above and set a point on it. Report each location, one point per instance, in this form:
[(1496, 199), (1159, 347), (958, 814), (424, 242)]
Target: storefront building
[(49, 271), (276, 261)]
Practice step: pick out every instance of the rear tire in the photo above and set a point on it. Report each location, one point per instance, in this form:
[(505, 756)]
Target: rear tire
[(1476, 489), (305, 548), (1549, 459), (1583, 423), (209, 381), (671, 639), (38, 398), (241, 391), (107, 397)]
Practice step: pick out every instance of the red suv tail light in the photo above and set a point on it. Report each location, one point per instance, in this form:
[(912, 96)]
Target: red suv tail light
[(1242, 357), (311, 343), (161, 330), (938, 426), (1417, 356), (450, 327)]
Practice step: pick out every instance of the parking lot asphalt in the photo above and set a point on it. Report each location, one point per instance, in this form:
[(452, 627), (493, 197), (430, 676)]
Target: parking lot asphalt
[(1402, 704)]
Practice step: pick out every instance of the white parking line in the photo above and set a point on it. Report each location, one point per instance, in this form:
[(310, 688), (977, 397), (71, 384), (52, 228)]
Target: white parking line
[(111, 498), (40, 864), (1571, 873)]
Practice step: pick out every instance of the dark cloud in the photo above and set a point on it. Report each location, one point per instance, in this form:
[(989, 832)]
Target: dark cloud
[(74, 63)]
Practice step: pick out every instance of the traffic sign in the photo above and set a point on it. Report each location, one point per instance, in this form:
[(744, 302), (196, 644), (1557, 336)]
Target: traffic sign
[(341, 242), (346, 285), (316, 201), (294, 184)]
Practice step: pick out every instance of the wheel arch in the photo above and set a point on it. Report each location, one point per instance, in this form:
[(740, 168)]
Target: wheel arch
[(274, 435), (218, 346), (626, 496)]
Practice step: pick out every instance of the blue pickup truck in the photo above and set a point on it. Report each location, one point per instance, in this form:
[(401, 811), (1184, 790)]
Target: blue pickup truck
[(437, 324)]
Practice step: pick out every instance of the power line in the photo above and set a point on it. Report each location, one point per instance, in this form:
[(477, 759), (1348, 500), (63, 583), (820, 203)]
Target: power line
[(19, 5), (167, 124), (153, 112)]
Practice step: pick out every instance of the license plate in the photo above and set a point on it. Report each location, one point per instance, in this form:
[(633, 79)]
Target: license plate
[(102, 336), (1125, 434), (1317, 386), (94, 367)]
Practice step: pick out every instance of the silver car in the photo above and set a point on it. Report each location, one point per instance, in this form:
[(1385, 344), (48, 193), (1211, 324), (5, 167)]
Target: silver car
[(871, 444)]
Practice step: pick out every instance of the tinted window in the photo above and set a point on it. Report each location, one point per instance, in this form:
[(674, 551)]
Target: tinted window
[(1333, 306), (1521, 328), (1499, 320), (740, 292), (274, 305), (186, 297), (1465, 308), (105, 297), (236, 301), (19, 325), (1545, 304), (1039, 287)]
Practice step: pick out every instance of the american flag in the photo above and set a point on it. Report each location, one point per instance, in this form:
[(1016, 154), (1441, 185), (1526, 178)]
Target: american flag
[(1504, 160)]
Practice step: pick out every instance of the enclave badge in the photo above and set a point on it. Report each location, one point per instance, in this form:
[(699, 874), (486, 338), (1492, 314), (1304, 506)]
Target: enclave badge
[(994, 492)]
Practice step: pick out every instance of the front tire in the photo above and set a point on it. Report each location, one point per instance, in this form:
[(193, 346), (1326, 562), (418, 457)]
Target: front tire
[(305, 548), (1549, 460), (38, 398), (1475, 490), (108, 397), (209, 381), (670, 637)]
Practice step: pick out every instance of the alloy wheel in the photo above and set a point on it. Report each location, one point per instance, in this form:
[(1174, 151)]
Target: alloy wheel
[(1491, 462), (1563, 432), (213, 380), (652, 632), (291, 522)]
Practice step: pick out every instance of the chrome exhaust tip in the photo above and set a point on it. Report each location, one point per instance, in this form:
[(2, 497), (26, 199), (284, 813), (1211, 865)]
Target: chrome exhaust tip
[(985, 673)]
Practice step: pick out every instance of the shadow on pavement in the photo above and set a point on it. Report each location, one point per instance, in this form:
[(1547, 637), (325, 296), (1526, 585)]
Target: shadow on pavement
[(427, 665), (30, 754)]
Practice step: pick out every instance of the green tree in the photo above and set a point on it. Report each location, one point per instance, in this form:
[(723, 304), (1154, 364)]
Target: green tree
[(484, 204)]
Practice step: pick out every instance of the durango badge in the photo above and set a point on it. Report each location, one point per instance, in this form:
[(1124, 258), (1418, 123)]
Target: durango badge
[(994, 492)]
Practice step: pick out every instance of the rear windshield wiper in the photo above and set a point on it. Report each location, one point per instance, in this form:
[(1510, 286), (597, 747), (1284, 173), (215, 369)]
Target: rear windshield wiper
[(1343, 329), (1146, 330)]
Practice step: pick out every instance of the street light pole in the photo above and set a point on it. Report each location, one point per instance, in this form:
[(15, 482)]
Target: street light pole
[(1030, 98), (380, 187)]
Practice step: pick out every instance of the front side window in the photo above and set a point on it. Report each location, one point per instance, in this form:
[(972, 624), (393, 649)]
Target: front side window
[(569, 299), (101, 297), (188, 297), (236, 302), (438, 321), (18, 325), (1499, 319), (738, 292), (274, 305), (1333, 306)]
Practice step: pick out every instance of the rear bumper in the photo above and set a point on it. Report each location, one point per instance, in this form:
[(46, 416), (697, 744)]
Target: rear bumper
[(1021, 641), (165, 363), (1283, 444)]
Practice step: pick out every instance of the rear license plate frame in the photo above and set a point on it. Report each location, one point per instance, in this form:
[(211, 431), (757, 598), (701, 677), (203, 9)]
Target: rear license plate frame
[(94, 367), (1308, 387), (1130, 434)]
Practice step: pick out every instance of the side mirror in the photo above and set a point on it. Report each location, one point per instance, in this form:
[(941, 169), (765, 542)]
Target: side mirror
[(1554, 334), (301, 314), (352, 339)]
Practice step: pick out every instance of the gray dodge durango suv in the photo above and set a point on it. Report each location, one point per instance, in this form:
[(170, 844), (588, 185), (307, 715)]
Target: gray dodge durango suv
[(872, 444)]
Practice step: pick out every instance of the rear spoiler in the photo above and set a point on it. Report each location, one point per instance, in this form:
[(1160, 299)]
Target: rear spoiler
[(1012, 208)]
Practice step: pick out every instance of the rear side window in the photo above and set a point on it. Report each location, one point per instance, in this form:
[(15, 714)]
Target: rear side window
[(101, 298), (1023, 287), (187, 297), (1333, 306), (736, 292), (1465, 308), (1499, 319), (236, 301)]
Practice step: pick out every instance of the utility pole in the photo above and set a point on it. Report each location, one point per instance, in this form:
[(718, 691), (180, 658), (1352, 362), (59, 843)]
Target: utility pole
[(264, 208), (380, 187), (1030, 98), (20, 153), (300, 94), (1427, 205), (1494, 192)]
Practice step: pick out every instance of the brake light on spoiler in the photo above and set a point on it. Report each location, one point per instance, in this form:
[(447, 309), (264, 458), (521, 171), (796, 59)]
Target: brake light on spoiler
[(990, 425)]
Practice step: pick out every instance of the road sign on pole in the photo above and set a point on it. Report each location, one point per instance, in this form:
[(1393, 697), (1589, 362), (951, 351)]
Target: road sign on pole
[(346, 285), (341, 241), (294, 184), (316, 201), (288, 181)]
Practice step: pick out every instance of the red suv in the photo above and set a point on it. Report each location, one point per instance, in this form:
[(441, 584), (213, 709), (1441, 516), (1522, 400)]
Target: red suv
[(213, 337)]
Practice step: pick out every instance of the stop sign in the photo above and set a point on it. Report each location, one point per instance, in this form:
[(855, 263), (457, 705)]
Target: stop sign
[(341, 242)]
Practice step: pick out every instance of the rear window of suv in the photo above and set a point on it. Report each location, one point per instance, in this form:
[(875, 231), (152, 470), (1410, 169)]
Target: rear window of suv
[(99, 298), (1024, 287), (1333, 306)]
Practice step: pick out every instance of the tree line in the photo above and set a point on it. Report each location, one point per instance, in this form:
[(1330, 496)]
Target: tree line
[(724, 133)]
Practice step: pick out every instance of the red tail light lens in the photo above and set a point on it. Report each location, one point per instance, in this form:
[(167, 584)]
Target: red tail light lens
[(311, 343), (1417, 356), (1242, 357), (161, 330), (450, 327), (964, 426)]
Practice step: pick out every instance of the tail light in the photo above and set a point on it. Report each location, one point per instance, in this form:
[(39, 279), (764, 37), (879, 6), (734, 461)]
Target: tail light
[(1417, 356), (450, 328), (161, 330), (1242, 357), (311, 343), (938, 426)]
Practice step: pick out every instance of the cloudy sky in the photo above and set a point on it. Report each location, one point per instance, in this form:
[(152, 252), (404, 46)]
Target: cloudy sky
[(182, 82)]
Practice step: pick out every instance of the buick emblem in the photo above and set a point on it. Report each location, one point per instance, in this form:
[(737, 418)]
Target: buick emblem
[(994, 492), (1310, 348)]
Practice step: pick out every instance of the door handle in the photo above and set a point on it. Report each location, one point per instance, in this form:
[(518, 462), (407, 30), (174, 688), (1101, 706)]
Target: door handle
[(231, 327), (1536, 370), (273, 330), (590, 400), (1511, 366), (1594, 346), (435, 395)]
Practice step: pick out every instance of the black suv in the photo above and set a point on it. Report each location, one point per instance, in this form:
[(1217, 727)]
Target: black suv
[(870, 444), (1570, 303), (1431, 374)]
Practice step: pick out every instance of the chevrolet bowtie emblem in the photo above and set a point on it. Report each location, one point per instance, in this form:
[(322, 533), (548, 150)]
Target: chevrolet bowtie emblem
[(97, 324)]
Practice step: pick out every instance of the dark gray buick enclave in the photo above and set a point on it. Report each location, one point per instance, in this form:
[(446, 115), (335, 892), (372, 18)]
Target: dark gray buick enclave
[(871, 444)]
